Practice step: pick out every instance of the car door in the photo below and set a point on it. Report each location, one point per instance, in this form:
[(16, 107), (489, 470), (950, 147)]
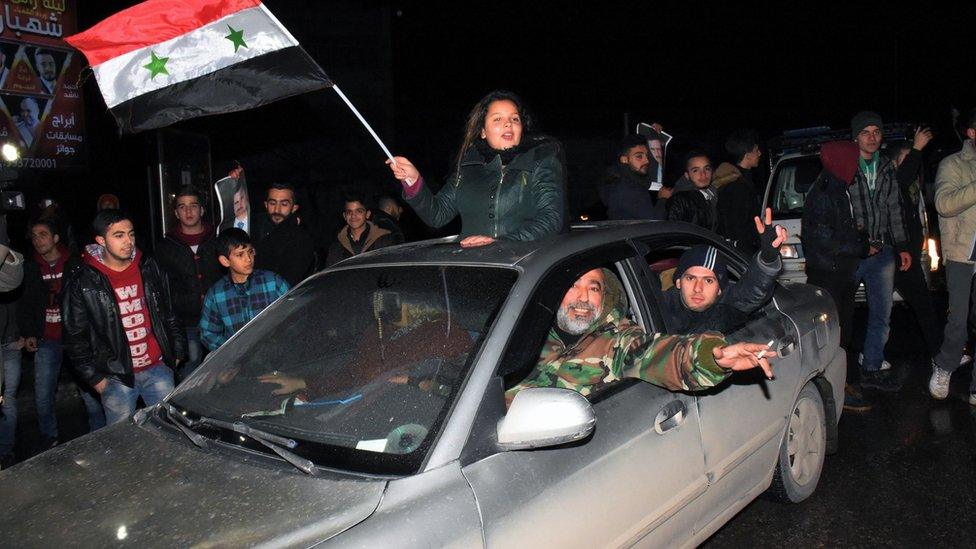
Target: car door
[(632, 482), (742, 419)]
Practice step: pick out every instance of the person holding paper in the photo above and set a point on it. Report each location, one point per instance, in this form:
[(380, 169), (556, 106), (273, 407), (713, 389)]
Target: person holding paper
[(625, 188), (508, 183)]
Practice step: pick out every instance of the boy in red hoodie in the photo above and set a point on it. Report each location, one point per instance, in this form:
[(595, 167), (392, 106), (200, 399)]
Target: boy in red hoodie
[(119, 326)]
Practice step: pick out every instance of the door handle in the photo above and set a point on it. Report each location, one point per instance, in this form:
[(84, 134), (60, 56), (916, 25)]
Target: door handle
[(786, 346), (670, 416)]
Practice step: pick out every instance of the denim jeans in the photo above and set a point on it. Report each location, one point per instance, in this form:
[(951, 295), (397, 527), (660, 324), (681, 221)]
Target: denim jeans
[(96, 415), (878, 274), (11, 381), (151, 384), (47, 369), (194, 353)]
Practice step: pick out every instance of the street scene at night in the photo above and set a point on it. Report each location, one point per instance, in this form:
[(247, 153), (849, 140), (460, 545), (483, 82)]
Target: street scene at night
[(291, 274)]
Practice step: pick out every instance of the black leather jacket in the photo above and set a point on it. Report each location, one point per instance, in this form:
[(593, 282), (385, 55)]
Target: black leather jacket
[(189, 274), (93, 335), (692, 207)]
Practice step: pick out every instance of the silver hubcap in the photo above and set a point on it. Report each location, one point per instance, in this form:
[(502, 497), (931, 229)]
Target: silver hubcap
[(805, 442)]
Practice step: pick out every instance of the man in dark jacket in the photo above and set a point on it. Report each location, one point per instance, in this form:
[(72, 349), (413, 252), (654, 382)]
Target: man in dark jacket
[(625, 188), (876, 202), (119, 328), (39, 319), (188, 257), (911, 284), (738, 200), (698, 206), (703, 300), (283, 246), (386, 215), (358, 235), (833, 246)]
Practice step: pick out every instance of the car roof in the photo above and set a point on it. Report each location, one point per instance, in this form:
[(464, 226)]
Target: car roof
[(508, 253)]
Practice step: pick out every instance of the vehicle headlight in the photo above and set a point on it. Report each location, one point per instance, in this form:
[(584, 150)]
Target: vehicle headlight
[(790, 251), (933, 255)]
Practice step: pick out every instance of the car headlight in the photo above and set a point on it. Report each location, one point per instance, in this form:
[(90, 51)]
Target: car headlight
[(790, 251), (933, 255)]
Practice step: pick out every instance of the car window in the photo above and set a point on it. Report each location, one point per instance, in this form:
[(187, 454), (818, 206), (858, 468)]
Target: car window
[(661, 257), (791, 183), (359, 365)]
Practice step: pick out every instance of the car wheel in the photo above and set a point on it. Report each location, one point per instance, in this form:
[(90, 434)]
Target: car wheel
[(801, 454)]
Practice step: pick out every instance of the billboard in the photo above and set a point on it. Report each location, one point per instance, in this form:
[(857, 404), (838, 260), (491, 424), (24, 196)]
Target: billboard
[(41, 107)]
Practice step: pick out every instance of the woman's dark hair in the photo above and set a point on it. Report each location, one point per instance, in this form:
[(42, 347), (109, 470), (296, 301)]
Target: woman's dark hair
[(476, 119), (106, 218), (231, 239)]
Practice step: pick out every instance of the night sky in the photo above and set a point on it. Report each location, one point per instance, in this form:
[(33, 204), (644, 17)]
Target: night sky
[(701, 69)]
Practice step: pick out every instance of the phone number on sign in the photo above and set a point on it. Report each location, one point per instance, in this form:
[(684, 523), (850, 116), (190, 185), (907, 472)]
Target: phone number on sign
[(36, 163)]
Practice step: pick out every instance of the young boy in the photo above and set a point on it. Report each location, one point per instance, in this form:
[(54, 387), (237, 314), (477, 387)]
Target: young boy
[(238, 297)]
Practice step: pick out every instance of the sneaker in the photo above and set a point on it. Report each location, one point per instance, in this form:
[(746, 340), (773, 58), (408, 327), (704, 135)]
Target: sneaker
[(854, 400), (939, 382), (972, 398), (885, 365), (966, 359), (882, 381)]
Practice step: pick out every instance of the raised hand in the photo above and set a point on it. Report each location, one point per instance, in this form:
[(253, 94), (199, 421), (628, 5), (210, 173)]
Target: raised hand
[(770, 238), (922, 137), (403, 170)]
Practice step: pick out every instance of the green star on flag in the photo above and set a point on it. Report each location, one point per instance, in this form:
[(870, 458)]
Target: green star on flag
[(156, 66), (237, 37)]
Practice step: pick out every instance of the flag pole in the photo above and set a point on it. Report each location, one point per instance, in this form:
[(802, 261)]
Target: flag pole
[(365, 123)]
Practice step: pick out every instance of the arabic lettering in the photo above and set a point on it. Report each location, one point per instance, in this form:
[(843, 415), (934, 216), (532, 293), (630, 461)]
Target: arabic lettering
[(33, 25)]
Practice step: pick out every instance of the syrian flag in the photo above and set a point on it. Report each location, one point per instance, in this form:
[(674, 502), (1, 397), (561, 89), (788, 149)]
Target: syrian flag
[(163, 61)]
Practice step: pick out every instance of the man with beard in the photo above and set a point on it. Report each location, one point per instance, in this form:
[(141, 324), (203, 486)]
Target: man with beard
[(624, 190), (47, 68), (594, 344), (282, 245)]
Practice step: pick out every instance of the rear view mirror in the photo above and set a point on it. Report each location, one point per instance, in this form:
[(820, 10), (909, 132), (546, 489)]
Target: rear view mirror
[(543, 417)]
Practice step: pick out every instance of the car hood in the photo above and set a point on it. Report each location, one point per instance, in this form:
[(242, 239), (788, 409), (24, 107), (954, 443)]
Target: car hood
[(147, 487)]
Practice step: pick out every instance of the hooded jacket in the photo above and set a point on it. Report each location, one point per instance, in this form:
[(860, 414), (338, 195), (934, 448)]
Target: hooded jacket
[(342, 248), (190, 274), (831, 239), (94, 337), (625, 194), (522, 200), (615, 348)]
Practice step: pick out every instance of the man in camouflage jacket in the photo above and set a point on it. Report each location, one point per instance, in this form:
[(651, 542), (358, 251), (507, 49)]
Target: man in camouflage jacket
[(594, 344)]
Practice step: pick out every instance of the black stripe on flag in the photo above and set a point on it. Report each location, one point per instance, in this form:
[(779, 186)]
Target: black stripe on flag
[(258, 81)]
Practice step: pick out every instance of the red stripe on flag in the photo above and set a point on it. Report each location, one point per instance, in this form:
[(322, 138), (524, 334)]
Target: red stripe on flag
[(149, 23)]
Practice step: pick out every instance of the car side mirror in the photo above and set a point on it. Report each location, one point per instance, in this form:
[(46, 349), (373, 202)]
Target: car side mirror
[(543, 417)]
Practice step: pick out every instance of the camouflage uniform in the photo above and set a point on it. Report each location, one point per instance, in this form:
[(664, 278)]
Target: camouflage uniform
[(615, 348)]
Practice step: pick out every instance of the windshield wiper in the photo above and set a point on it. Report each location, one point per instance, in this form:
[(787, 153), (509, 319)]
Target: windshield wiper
[(273, 442), (184, 423)]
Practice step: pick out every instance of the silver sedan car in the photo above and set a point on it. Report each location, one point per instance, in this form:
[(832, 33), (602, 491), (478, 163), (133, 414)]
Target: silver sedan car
[(366, 408)]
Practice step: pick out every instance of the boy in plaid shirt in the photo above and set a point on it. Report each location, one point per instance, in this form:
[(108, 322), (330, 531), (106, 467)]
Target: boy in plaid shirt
[(238, 297)]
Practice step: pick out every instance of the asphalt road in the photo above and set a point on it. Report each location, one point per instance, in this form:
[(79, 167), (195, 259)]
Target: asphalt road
[(905, 474)]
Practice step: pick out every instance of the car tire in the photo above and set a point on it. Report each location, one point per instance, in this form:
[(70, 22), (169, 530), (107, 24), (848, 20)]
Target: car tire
[(801, 454)]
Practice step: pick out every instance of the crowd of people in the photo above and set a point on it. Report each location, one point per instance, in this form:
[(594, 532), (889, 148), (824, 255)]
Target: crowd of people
[(132, 326)]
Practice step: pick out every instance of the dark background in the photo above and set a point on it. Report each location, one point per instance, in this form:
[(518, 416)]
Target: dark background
[(415, 69)]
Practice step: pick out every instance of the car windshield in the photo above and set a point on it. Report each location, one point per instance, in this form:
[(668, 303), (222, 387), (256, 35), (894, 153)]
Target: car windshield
[(791, 182), (360, 366)]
